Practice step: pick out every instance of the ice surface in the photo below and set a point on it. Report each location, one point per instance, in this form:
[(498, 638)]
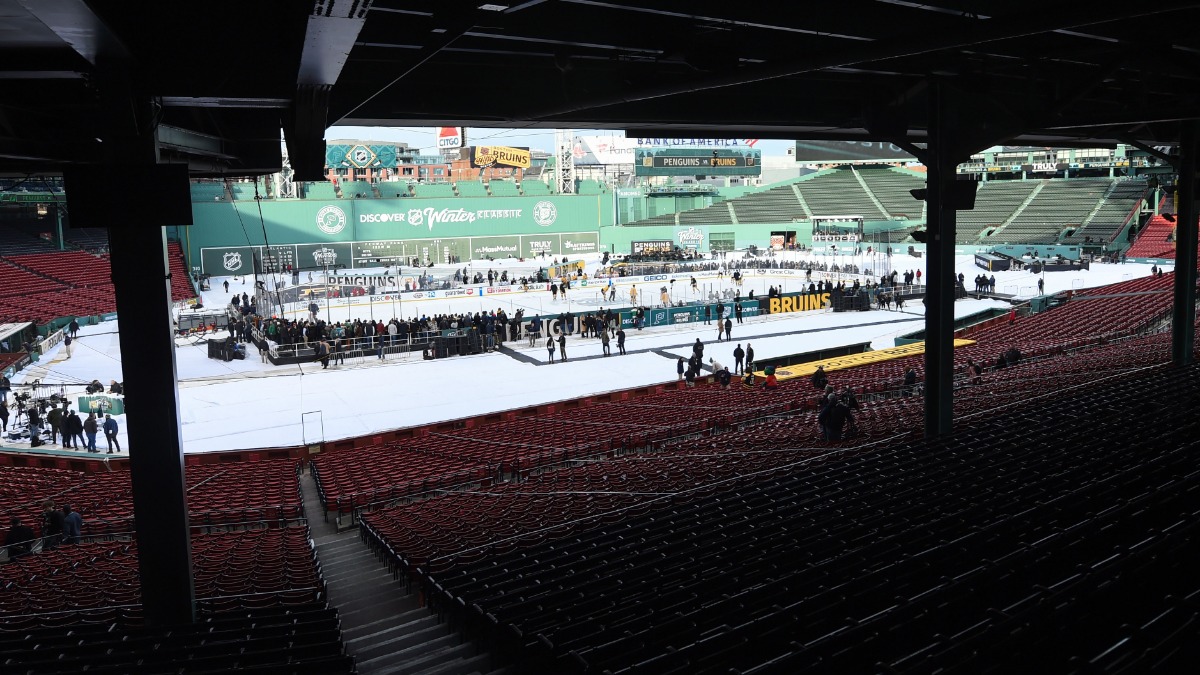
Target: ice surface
[(248, 404)]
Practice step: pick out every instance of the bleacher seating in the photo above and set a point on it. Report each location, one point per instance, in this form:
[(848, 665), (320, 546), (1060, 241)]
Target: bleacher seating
[(349, 479), (104, 573), (710, 215), (590, 187), (245, 191), (433, 190), (219, 495), (1118, 209), (892, 188), (701, 216), (1061, 204), (995, 202), (318, 190), (838, 193), (913, 557), (181, 285), (295, 638), (534, 187), (73, 268), (776, 205), (15, 281), (92, 239), (504, 188), (1152, 241), (357, 189), (471, 188), (15, 240), (208, 191), (393, 190)]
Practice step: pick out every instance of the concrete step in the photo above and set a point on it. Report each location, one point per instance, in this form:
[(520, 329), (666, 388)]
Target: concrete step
[(417, 657), (423, 630), (381, 624), (465, 665), (368, 593), (339, 543), (389, 633), (354, 575)]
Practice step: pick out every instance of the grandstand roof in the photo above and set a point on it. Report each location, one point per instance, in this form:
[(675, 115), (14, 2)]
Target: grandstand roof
[(1033, 72)]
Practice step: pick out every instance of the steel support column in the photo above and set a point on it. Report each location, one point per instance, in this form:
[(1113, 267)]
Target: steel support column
[(1183, 323), (141, 280), (939, 294)]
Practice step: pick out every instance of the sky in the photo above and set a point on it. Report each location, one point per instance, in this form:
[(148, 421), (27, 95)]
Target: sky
[(536, 139)]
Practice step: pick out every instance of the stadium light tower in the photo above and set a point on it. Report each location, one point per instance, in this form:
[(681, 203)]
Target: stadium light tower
[(564, 161)]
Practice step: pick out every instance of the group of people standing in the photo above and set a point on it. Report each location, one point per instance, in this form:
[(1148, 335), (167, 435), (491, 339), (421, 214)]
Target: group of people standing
[(986, 284), (58, 527), (73, 429), (836, 408)]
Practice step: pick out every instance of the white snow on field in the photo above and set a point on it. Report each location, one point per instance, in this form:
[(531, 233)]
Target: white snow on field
[(248, 404)]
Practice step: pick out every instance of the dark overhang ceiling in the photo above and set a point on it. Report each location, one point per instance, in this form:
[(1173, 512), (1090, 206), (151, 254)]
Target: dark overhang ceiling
[(1038, 71), (225, 78)]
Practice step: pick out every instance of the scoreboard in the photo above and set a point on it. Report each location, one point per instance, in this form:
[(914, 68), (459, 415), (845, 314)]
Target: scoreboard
[(697, 162), (368, 252)]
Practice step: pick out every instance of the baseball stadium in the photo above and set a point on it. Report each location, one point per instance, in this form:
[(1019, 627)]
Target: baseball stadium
[(398, 319)]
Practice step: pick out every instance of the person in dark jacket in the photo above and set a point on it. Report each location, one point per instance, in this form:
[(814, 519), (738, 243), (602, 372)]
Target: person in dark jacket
[(91, 428), (19, 539), (832, 418), (72, 525), (819, 380), (724, 377), (550, 349), (738, 355), (679, 367), (910, 381), (728, 329), (75, 427), (322, 354), (562, 347), (749, 357), (52, 525), (54, 421), (110, 433), (621, 341), (64, 426)]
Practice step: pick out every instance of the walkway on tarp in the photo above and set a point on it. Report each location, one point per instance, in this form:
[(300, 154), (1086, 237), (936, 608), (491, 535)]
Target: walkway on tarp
[(854, 360)]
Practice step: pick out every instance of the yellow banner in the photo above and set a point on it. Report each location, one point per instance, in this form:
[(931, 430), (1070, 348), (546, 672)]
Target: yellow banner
[(799, 303), (499, 155), (854, 360)]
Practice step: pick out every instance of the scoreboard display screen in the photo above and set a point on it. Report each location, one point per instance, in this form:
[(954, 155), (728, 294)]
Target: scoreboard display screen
[(382, 251), (697, 162)]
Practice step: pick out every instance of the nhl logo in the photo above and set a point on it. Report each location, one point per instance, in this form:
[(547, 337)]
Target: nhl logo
[(232, 261)]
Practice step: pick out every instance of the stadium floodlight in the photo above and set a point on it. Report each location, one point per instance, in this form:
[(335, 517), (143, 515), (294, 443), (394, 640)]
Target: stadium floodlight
[(492, 7)]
